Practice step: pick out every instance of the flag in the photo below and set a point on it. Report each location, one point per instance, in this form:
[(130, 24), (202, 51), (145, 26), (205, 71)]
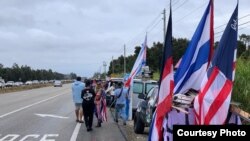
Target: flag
[(196, 59), (212, 104), (166, 86), (139, 63), (191, 68)]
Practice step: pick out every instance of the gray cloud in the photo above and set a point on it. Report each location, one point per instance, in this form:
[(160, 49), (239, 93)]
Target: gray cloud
[(78, 35)]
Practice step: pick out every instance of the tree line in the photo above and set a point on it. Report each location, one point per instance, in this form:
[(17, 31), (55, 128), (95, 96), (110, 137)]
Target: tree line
[(154, 54), (24, 73)]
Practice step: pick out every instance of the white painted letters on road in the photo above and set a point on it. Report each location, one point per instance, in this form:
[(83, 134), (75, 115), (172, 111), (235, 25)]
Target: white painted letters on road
[(45, 137), (29, 136), (10, 137)]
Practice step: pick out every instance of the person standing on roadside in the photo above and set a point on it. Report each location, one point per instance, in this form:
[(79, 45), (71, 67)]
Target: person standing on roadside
[(88, 105), (77, 88), (100, 102), (121, 94)]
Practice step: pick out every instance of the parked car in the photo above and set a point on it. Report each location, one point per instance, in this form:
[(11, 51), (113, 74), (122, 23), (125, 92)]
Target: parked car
[(35, 82), (140, 87), (9, 84), (28, 83), (58, 83), (145, 109), (18, 83), (2, 84)]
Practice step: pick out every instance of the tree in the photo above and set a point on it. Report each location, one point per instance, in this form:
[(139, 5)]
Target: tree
[(73, 75), (244, 39)]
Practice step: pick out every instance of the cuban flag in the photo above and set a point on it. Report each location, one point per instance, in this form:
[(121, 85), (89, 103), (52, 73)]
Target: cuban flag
[(139, 63), (212, 104), (196, 59), (166, 87)]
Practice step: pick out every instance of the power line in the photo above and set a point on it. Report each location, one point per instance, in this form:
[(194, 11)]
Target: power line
[(149, 30), (180, 5), (226, 23), (152, 23), (155, 22), (191, 12), (238, 26), (238, 30)]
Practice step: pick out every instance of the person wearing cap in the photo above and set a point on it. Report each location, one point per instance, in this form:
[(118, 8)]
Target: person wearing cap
[(77, 88)]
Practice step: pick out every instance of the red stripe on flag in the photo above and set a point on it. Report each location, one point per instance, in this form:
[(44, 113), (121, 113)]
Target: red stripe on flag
[(128, 82), (219, 100), (203, 93), (167, 67), (162, 109), (165, 105)]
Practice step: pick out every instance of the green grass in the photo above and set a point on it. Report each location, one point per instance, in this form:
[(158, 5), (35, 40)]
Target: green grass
[(22, 88), (241, 88)]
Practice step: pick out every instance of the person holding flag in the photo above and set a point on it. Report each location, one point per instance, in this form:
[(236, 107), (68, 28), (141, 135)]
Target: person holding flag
[(139, 63)]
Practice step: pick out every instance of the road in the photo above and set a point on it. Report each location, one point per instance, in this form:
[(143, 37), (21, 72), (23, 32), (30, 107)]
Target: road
[(47, 114)]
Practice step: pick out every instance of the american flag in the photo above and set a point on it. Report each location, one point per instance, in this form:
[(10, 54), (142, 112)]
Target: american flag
[(196, 59), (212, 103), (166, 87), (103, 107)]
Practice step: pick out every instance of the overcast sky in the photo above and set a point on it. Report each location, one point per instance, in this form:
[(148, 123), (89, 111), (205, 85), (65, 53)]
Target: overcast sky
[(79, 35)]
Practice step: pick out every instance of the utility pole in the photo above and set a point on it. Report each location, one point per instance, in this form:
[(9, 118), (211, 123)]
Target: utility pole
[(104, 65), (164, 24), (164, 34), (112, 65), (124, 59)]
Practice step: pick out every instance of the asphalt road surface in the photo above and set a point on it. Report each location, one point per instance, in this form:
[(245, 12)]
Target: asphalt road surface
[(47, 114)]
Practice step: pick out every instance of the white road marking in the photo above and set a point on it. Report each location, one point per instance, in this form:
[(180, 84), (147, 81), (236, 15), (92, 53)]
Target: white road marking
[(25, 107), (75, 133), (48, 115), (45, 137)]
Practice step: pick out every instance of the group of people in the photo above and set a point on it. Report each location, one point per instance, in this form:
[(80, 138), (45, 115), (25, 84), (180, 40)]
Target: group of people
[(90, 99)]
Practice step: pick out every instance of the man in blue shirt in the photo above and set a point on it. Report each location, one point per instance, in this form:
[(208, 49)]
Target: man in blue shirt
[(121, 94), (77, 88)]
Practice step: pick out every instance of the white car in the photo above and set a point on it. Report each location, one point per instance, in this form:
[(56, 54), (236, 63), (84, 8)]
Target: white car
[(9, 84), (58, 83), (141, 87), (2, 84), (28, 83)]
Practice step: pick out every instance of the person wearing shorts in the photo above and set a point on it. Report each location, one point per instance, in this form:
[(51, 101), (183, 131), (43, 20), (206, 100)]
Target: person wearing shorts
[(77, 88)]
